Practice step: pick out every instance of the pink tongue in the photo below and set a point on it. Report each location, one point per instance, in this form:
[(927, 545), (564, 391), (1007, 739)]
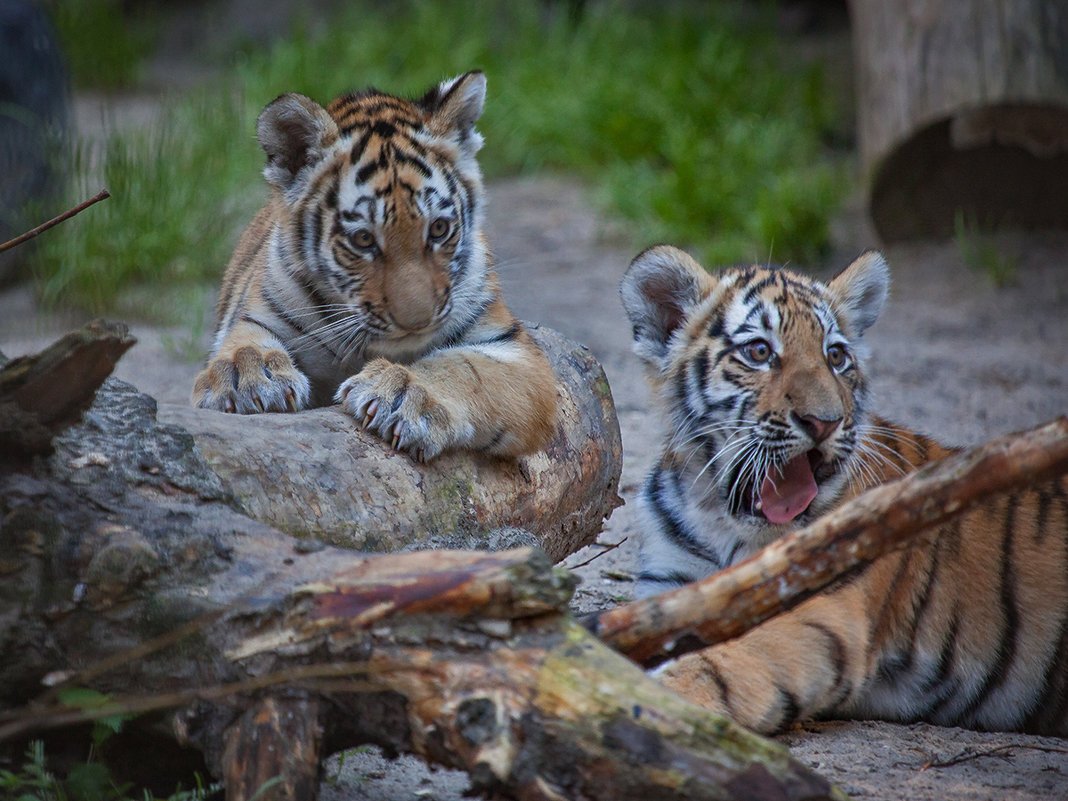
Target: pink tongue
[(787, 491)]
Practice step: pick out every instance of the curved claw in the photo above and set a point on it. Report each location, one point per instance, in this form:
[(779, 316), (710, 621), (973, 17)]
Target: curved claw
[(291, 400), (258, 403), (369, 414)]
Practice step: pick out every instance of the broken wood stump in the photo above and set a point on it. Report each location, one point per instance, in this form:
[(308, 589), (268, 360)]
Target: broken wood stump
[(44, 392)]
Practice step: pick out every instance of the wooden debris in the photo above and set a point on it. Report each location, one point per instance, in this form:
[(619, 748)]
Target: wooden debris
[(272, 751), (470, 664), (290, 650), (43, 393)]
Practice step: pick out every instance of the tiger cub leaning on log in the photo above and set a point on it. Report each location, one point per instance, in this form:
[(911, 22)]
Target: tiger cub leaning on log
[(366, 280), (763, 374)]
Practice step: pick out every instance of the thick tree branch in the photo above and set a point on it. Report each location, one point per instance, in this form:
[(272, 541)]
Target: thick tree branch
[(884, 519)]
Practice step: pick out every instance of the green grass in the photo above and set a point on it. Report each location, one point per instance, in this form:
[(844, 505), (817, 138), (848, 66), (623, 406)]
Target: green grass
[(104, 46), (85, 781), (89, 780), (981, 253), (684, 121), (180, 192)]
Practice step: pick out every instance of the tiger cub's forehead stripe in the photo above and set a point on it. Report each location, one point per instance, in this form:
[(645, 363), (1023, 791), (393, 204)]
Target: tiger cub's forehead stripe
[(771, 302), (758, 280), (371, 109)]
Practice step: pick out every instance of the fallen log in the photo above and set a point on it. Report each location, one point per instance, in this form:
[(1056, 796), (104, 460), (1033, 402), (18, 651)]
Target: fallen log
[(127, 567), (464, 658), (886, 518)]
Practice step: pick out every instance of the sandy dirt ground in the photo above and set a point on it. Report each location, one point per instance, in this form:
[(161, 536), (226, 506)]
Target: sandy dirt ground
[(952, 355)]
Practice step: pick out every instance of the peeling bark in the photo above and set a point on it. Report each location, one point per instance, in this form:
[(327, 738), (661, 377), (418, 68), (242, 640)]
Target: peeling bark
[(274, 744), (127, 566)]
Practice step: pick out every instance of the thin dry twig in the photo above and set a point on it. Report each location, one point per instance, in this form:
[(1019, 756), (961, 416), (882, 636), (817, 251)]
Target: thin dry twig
[(608, 546), (59, 682), (55, 716), (18, 240), (1002, 751)]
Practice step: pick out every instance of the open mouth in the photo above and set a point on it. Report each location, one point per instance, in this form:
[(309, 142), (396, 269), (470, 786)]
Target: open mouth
[(787, 490)]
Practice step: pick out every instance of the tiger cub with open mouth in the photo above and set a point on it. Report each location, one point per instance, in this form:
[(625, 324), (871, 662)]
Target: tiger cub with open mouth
[(366, 280), (762, 371)]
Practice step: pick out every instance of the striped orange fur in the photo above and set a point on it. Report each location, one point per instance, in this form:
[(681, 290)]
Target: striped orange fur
[(762, 373), (366, 280)]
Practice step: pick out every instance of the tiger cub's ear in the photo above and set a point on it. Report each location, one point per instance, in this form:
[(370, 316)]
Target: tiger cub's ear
[(294, 131), (660, 289), (861, 290), (455, 106)]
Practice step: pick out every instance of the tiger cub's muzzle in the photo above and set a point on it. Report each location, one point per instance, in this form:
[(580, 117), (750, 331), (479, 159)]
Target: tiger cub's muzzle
[(788, 487)]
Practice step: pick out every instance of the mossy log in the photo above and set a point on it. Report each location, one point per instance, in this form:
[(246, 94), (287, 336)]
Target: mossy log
[(127, 566), (464, 658)]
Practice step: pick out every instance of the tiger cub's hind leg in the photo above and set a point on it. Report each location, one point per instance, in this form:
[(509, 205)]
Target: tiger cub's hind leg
[(251, 374)]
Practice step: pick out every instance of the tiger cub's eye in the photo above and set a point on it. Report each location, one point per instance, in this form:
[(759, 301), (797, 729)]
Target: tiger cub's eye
[(363, 239), (758, 351), (836, 356), (439, 229)]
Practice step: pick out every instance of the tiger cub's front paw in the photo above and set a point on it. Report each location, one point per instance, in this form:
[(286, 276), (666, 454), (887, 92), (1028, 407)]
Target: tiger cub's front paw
[(387, 399), (250, 382)]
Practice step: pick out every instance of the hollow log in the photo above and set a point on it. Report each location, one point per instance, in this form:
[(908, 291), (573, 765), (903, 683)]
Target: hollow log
[(885, 518), (962, 108), (318, 475)]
